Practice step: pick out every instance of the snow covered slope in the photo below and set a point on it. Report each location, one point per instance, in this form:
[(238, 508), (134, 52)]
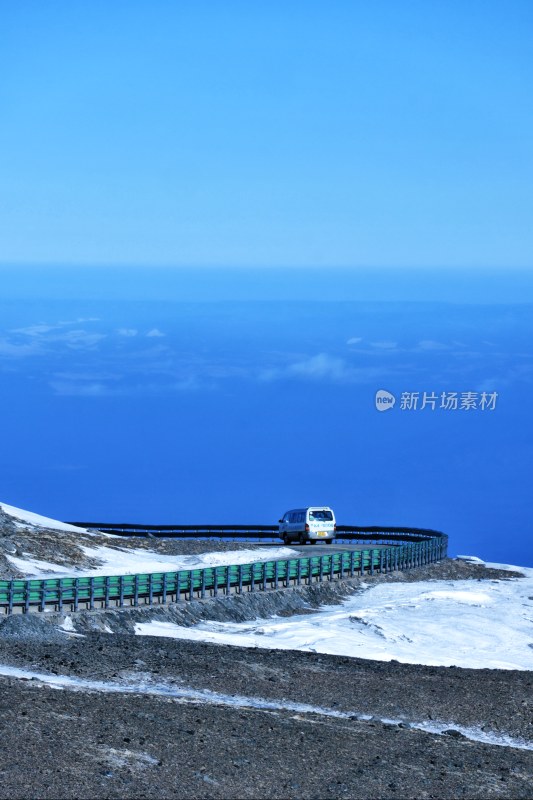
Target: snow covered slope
[(115, 561), (22, 516), (34, 546), (466, 623)]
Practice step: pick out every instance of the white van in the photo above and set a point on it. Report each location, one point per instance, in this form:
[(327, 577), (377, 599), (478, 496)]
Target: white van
[(313, 524)]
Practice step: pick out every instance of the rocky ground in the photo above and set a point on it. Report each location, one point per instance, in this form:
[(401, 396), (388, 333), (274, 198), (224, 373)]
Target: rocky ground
[(131, 735), (65, 548)]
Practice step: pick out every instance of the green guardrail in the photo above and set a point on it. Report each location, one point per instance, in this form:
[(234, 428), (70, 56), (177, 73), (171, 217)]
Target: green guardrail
[(142, 589)]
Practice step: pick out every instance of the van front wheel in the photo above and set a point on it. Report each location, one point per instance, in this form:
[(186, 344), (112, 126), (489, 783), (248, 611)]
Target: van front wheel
[(286, 538)]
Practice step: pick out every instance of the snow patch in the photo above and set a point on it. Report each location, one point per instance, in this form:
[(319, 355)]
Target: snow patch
[(116, 561), (38, 520), (185, 694), (438, 623), (471, 559)]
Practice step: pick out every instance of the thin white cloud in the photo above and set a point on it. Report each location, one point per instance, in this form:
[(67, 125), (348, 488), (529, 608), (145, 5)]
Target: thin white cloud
[(320, 367), (490, 385), (186, 385), (78, 321), (35, 330), (127, 332), (155, 332), (80, 339), (42, 335), (355, 340), (431, 344), (94, 377), (42, 328), (324, 367), (14, 350), (79, 389)]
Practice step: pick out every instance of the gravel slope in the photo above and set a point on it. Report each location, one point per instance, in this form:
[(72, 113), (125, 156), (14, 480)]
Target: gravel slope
[(66, 744), (60, 743)]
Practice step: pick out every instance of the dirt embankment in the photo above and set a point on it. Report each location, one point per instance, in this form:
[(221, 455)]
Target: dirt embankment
[(79, 744), (61, 743)]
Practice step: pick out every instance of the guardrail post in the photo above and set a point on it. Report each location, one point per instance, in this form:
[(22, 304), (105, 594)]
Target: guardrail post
[(121, 591), (331, 568), (240, 578), (264, 575), (321, 570), (136, 590), (164, 588), (106, 601), (91, 594), (252, 582), (371, 562), (202, 591), (275, 574), (299, 572), (27, 598), (381, 561), (11, 592), (76, 593), (43, 596), (215, 579), (352, 563), (228, 580), (151, 588)]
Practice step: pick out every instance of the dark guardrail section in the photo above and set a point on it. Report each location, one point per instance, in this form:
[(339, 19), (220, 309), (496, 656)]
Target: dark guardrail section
[(344, 532), (407, 548)]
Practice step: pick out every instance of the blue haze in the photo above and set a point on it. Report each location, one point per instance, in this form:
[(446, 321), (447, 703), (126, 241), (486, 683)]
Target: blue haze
[(350, 133), (192, 409), (287, 177)]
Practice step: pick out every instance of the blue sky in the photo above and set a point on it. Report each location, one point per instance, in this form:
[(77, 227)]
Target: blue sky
[(225, 226), (302, 133)]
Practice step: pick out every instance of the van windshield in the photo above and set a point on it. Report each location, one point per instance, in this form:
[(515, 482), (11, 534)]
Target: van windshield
[(322, 514)]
